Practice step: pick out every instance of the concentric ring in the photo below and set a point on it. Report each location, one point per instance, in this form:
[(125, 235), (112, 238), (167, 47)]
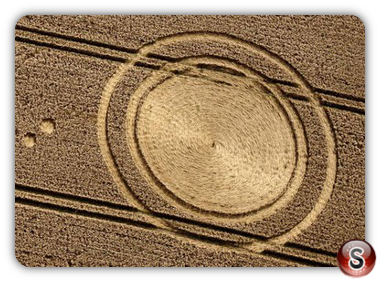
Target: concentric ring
[(161, 75), (267, 95)]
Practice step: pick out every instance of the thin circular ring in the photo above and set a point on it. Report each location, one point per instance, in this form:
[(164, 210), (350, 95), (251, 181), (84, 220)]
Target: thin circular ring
[(250, 216)]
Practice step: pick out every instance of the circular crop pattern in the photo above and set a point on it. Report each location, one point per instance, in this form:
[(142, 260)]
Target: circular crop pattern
[(213, 137), (211, 151), (217, 152)]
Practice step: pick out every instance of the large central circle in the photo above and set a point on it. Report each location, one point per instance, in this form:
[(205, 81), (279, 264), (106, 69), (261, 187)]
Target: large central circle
[(217, 146)]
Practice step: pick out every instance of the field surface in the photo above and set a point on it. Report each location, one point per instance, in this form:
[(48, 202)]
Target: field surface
[(188, 140)]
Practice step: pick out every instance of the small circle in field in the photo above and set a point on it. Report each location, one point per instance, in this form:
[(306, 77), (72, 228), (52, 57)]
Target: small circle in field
[(47, 126), (29, 140)]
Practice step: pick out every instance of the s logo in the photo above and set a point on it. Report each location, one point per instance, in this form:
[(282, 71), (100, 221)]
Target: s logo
[(356, 260)]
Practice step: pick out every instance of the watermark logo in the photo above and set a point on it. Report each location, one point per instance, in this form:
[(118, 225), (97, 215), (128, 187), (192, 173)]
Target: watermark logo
[(356, 258)]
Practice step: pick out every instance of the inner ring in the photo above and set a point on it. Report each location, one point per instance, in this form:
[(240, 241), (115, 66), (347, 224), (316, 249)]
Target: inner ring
[(238, 197)]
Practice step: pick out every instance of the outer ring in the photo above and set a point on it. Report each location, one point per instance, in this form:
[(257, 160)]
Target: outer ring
[(313, 99)]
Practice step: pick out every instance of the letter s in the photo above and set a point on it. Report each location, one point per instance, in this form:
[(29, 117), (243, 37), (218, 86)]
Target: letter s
[(356, 261)]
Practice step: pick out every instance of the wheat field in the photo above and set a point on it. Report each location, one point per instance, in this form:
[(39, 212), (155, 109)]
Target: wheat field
[(188, 140)]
